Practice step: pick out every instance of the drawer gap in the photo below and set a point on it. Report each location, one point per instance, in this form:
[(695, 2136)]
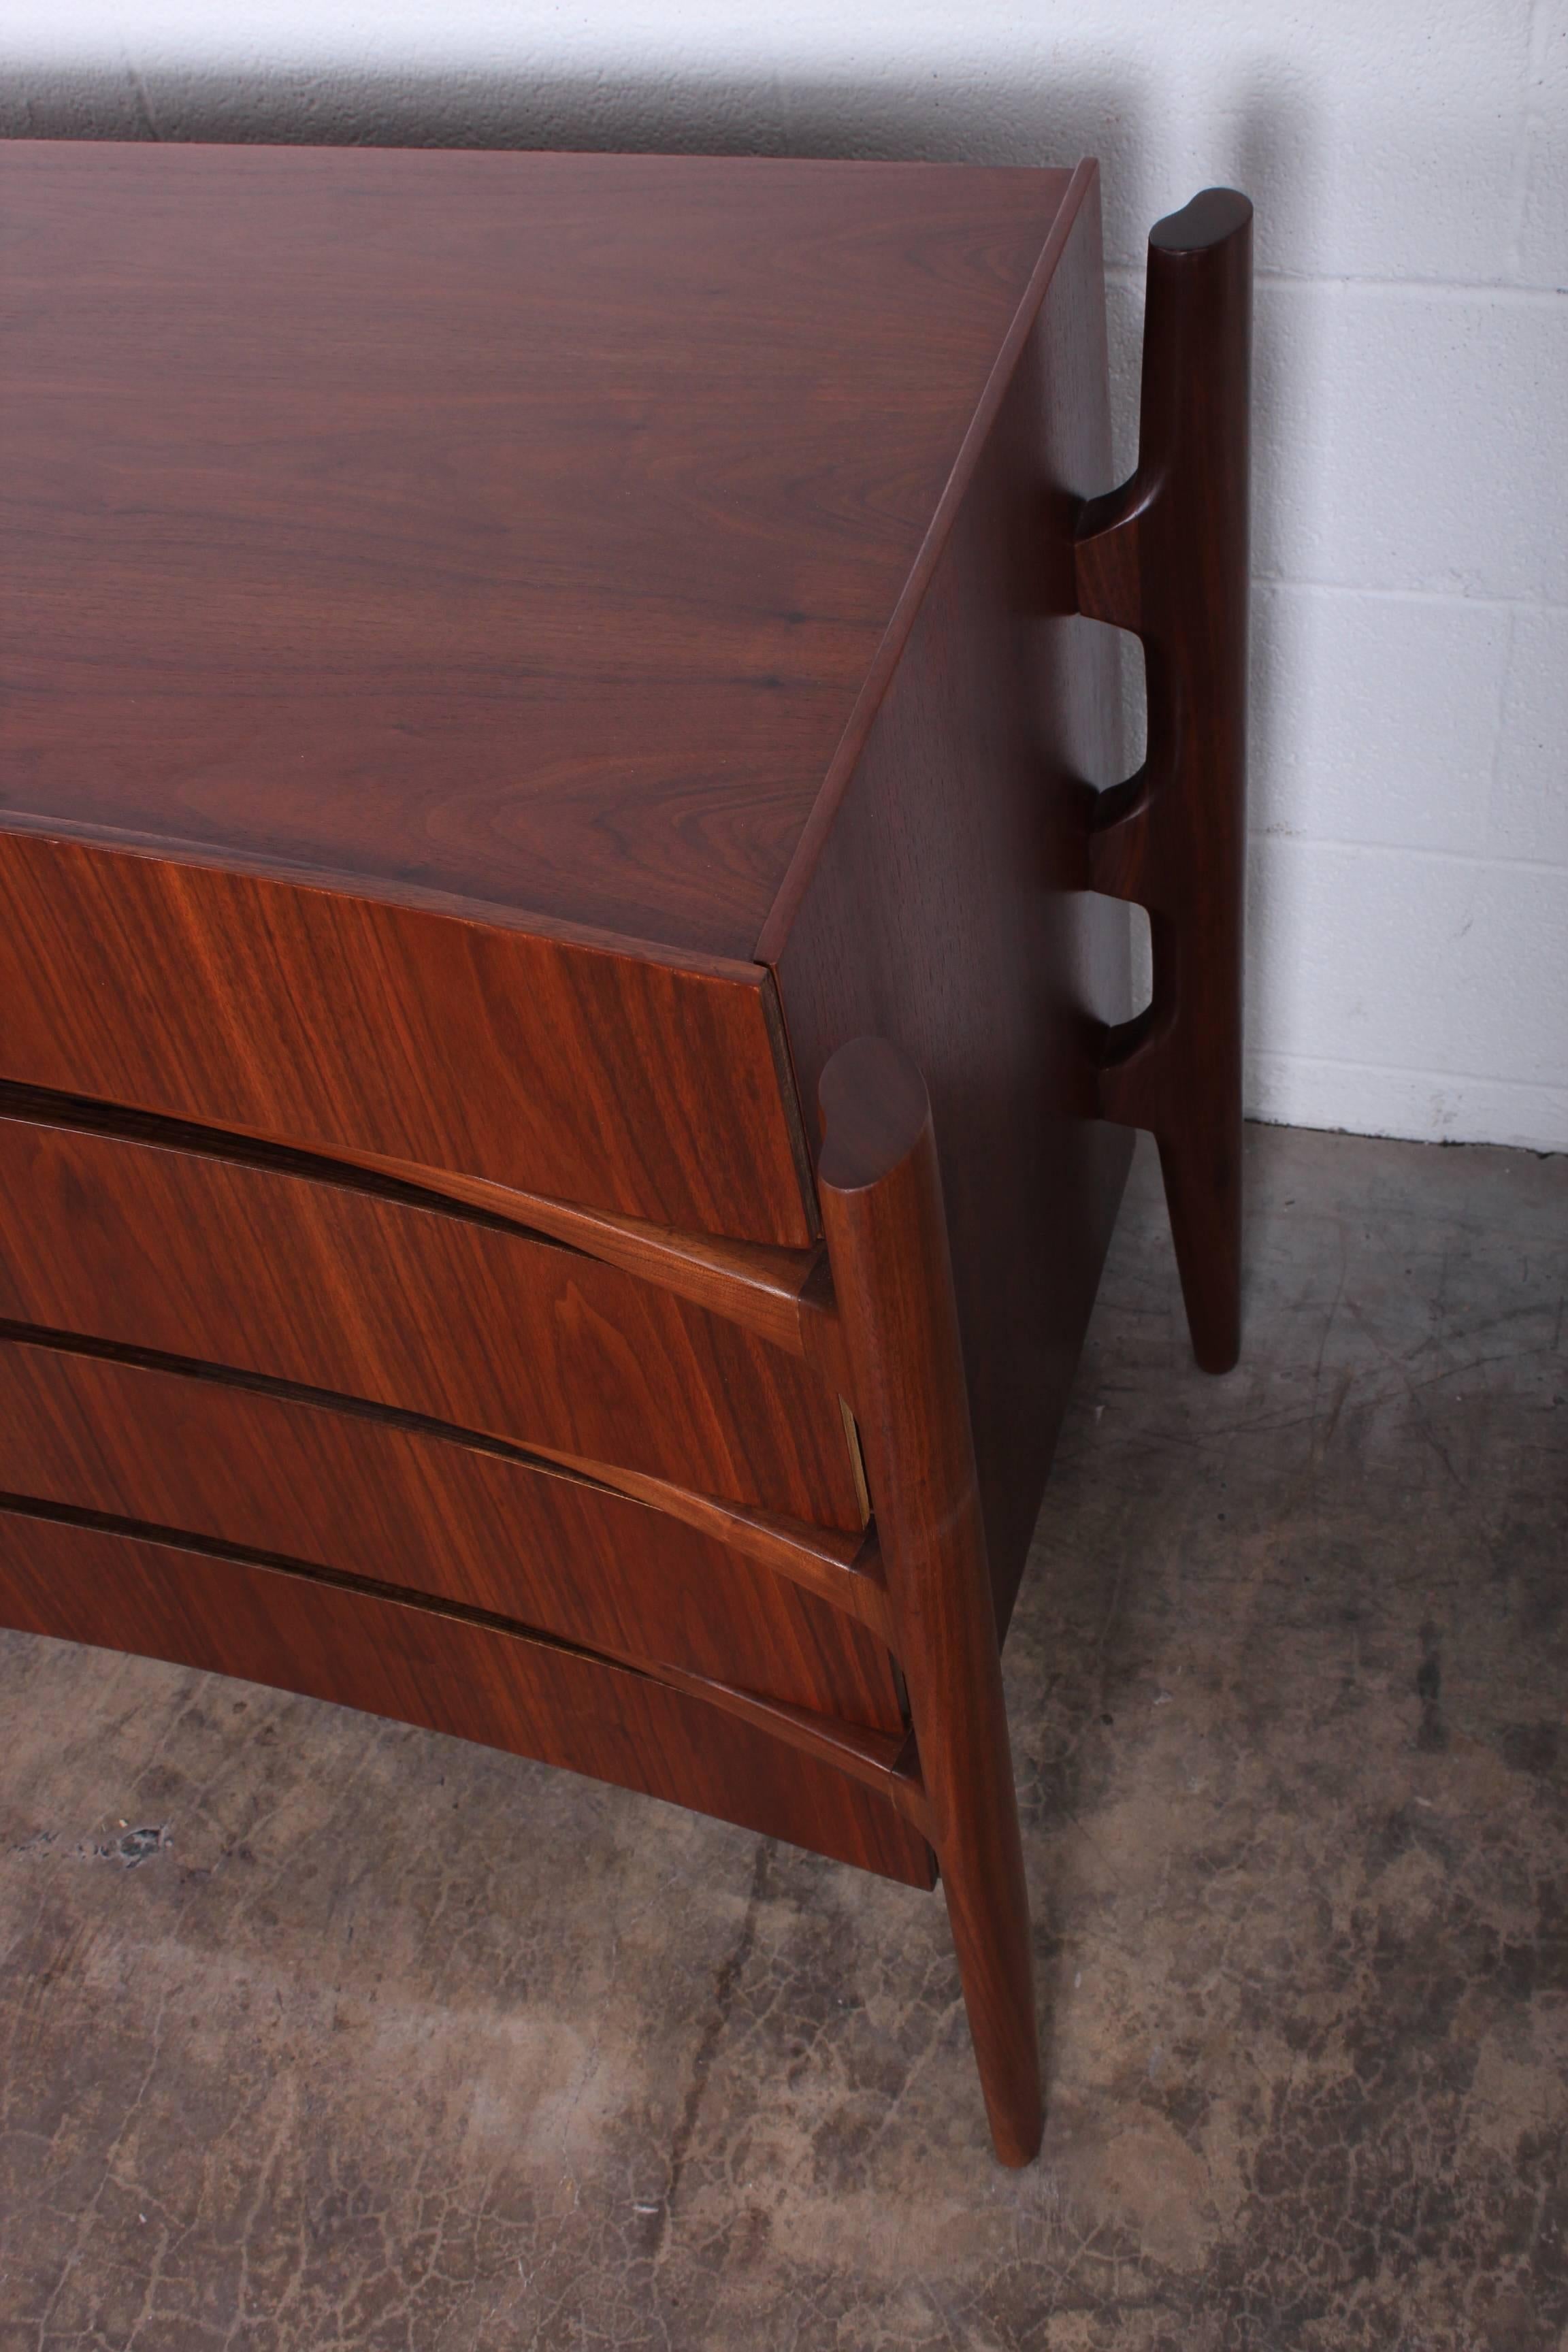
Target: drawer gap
[(125, 1125), (879, 1759), (844, 1571), (779, 1293), (234, 1376)]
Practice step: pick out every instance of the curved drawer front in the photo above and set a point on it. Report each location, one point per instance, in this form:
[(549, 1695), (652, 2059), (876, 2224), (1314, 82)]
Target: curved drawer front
[(362, 1495), (638, 1082), (417, 1664), (432, 1309)]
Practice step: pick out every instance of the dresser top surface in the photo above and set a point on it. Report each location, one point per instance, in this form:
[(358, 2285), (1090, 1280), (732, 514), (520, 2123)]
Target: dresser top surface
[(517, 529)]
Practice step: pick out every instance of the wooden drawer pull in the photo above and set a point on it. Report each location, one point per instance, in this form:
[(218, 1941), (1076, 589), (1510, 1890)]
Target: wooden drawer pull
[(844, 1570), (877, 1760), (81, 1576), (769, 1291)]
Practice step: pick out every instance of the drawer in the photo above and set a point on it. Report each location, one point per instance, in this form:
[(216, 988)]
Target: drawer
[(419, 1665), (334, 1281), (653, 1083), (362, 1494)]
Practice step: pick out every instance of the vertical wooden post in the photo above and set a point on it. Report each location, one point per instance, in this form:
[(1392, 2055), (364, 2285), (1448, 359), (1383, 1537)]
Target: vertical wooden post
[(1166, 557), (880, 1191)]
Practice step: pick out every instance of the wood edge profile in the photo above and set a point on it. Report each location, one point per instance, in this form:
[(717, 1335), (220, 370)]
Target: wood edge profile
[(1082, 183), (881, 1762), (842, 1570), (753, 1284), (885, 1222), (875, 1113), (1165, 556), (774, 1292), (235, 863)]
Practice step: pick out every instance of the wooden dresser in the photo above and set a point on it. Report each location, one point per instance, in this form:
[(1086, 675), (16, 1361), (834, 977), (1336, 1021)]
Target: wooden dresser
[(564, 1060)]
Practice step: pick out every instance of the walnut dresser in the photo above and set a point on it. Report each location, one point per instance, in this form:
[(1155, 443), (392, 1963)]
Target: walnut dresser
[(565, 1067)]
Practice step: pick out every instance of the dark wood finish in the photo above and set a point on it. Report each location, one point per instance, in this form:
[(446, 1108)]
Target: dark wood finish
[(450, 1314), (587, 1072), (887, 1238), (1166, 556), (438, 1667), (442, 1517), (881, 1760), (509, 665), (943, 917), (519, 526), (771, 1291)]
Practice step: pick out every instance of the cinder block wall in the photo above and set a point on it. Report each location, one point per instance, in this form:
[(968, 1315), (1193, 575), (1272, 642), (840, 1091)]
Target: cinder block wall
[(1410, 165)]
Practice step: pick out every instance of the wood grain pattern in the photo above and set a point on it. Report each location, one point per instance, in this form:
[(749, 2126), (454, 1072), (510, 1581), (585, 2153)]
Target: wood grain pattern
[(768, 1291), (1166, 556), (946, 914), (881, 1760), (433, 1514), (444, 1312), (96, 1584), (516, 526), (886, 1236), (588, 1072), (509, 664), (779, 1293)]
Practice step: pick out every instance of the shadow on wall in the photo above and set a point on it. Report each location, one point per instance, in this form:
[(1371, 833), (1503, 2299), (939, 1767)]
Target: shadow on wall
[(990, 116), (1272, 149)]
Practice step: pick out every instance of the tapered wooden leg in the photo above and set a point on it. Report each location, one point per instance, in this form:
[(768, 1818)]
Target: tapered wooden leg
[(1166, 557), (887, 1242), (1202, 1192)]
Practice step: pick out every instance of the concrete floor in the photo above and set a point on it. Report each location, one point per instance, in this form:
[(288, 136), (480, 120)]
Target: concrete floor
[(323, 2033)]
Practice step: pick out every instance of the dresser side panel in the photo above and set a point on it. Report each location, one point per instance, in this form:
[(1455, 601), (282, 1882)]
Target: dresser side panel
[(945, 911)]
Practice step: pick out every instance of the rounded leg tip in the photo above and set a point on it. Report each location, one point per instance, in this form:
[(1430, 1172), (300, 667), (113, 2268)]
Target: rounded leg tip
[(1218, 1355), (1016, 2138), (1016, 2153)]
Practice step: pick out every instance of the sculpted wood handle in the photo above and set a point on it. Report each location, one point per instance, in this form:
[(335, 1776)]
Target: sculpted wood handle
[(1166, 557)]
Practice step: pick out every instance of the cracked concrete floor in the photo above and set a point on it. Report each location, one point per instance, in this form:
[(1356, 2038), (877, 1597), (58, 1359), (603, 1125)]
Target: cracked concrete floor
[(323, 2033)]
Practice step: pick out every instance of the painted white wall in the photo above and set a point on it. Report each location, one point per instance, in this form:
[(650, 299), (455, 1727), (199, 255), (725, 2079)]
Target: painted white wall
[(1409, 161)]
